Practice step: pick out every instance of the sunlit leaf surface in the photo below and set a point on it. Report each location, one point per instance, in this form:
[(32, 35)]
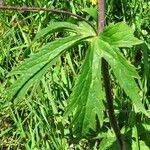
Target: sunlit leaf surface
[(87, 95), (119, 35)]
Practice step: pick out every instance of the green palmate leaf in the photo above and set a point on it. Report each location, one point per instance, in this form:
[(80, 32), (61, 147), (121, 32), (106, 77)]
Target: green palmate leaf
[(125, 74), (119, 35), (86, 99), (35, 67), (58, 26)]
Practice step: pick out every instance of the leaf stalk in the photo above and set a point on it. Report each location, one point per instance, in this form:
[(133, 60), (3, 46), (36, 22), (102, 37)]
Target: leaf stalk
[(56, 11)]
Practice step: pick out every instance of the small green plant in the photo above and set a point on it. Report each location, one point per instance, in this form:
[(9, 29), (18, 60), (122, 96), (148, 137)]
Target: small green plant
[(86, 107)]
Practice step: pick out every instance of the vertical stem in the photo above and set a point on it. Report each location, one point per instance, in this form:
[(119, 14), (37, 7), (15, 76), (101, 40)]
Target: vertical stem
[(110, 106), (1, 2), (107, 82), (100, 15)]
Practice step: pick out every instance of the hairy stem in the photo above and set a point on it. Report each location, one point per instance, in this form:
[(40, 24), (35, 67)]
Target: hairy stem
[(100, 15), (56, 11), (107, 82), (110, 106)]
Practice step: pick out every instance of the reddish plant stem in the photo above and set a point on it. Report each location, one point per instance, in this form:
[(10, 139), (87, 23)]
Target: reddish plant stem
[(107, 82), (110, 106), (100, 15), (56, 11)]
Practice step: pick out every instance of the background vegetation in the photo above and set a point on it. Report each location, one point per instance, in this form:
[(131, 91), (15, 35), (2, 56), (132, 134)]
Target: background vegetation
[(36, 121)]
